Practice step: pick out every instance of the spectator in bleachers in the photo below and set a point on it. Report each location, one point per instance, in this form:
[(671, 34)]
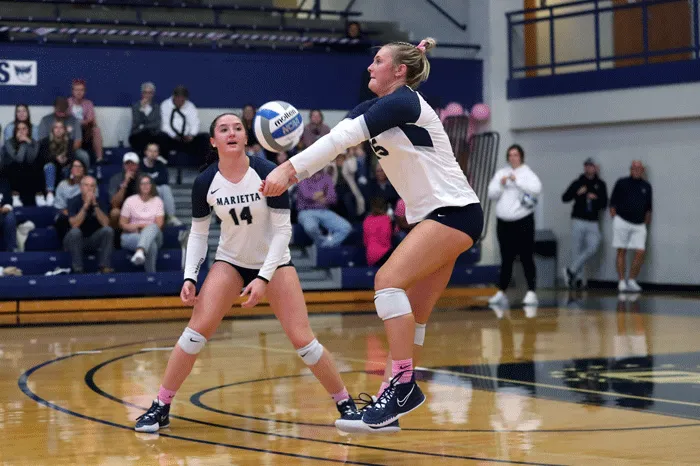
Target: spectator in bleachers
[(402, 225), (253, 149), (84, 111), (158, 172), (351, 203), (21, 114), (247, 118), (90, 230), (123, 185), (56, 153), (180, 121), (314, 197), (7, 217), (145, 120), (67, 189), (142, 218), (380, 186), (314, 129), (377, 233), (75, 132), (23, 167)]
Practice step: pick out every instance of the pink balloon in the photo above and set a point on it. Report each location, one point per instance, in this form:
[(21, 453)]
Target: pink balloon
[(452, 109), (481, 112)]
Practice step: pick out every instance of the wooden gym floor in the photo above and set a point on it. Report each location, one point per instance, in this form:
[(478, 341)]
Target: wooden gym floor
[(587, 379)]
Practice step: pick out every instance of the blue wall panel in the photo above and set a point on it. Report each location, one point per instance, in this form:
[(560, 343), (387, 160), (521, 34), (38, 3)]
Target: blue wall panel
[(656, 74), (220, 79)]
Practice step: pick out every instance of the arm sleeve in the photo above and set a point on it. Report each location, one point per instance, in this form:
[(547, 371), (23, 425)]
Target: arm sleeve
[(193, 118), (570, 192), (197, 246), (367, 120), (495, 186), (281, 223), (200, 206)]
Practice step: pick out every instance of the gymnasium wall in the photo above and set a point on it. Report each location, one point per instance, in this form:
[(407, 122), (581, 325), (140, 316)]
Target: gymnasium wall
[(658, 125), (218, 80)]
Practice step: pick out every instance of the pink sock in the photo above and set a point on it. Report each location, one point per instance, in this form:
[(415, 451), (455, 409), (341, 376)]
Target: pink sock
[(165, 395), (341, 395), (384, 386), (401, 366)]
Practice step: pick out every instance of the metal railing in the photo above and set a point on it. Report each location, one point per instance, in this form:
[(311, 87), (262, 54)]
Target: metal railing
[(549, 14)]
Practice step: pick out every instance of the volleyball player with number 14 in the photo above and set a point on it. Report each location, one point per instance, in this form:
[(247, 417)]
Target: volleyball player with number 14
[(253, 253)]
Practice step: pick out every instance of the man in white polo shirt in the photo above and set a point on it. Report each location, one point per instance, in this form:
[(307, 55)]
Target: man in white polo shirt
[(630, 207)]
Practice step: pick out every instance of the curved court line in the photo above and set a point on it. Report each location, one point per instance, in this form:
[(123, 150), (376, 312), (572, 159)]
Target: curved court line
[(195, 399), (89, 380), (24, 386)]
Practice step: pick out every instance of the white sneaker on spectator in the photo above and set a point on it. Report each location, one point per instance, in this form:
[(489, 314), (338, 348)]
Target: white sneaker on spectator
[(16, 202), (138, 258), (530, 298), (622, 286), (530, 311), (40, 200), (633, 286), (498, 298), (633, 297), (174, 221), (49, 199)]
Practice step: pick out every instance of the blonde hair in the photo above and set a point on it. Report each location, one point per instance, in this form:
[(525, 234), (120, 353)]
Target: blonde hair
[(415, 59)]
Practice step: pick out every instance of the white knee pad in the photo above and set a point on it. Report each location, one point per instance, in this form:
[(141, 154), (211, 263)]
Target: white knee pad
[(311, 353), (391, 302), (191, 342), (419, 336)]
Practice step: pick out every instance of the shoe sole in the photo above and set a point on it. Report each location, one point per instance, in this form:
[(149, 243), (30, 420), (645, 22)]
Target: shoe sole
[(398, 416), (151, 429), (359, 427)]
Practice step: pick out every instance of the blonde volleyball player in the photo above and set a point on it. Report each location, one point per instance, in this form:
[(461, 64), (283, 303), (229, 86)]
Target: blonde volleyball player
[(414, 151), (253, 253)]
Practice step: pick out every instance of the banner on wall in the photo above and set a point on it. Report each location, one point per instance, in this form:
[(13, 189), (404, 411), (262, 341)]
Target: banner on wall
[(18, 72)]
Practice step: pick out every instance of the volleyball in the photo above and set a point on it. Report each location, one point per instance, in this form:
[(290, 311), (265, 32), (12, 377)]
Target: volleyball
[(278, 126)]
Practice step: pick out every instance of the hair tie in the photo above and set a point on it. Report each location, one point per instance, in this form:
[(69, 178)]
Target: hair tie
[(421, 46)]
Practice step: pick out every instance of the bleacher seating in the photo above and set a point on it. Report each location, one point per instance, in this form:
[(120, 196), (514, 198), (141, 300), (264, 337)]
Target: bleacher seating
[(245, 23)]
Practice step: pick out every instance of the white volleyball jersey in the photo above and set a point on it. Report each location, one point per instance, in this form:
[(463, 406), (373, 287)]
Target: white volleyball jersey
[(247, 227), (413, 149)]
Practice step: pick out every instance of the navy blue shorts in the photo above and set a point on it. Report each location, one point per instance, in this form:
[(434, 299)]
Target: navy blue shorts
[(468, 218), (248, 275)]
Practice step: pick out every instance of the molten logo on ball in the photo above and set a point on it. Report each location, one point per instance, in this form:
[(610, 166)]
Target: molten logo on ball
[(278, 126)]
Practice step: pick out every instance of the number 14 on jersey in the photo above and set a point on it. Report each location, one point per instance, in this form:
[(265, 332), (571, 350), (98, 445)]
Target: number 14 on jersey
[(245, 216)]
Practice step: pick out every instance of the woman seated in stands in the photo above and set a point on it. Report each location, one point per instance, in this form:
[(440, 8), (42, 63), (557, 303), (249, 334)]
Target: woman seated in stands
[(23, 167), (141, 220), (21, 114), (67, 189), (56, 152)]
